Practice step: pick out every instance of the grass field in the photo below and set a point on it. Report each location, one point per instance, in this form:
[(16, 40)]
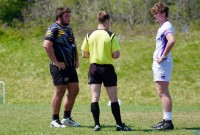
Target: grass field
[(35, 120), (24, 69)]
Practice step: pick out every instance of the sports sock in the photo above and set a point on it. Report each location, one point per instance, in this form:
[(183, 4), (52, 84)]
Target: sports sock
[(167, 116), (55, 116), (116, 112), (67, 114), (95, 112)]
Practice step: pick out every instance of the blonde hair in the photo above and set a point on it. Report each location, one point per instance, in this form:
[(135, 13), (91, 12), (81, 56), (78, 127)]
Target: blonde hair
[(160, 7)]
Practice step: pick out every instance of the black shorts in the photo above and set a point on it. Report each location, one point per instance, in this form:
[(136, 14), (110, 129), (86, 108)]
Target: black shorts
[(63, 76), (102, 73)]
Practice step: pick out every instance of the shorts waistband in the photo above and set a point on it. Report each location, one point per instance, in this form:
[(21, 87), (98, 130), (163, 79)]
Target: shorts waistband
[(101, 64)]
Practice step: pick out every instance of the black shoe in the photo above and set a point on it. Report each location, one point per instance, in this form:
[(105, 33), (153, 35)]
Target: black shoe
[(97, 128), (167, 125), (158, 124), (123, 127)]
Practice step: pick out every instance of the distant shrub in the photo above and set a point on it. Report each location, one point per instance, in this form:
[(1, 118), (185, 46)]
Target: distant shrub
[(12, 9), (1, 32)]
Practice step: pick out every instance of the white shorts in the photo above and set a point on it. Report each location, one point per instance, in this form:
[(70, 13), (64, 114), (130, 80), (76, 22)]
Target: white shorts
[(162, 71)]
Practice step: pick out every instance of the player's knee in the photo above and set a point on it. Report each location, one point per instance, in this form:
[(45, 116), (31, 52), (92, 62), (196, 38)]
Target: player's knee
[(59, 95), (160, 93), (73, 93)]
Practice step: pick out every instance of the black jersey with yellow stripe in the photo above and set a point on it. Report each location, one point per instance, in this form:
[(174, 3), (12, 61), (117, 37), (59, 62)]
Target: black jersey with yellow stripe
[(63, 43)]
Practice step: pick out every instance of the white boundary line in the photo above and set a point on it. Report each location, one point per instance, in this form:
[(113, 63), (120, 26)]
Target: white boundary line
[(3, 91)]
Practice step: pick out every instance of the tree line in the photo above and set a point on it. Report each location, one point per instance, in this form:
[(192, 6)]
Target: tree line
[(127, 12)]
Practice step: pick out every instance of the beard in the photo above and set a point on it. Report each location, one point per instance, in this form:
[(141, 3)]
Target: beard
[(63, 23)]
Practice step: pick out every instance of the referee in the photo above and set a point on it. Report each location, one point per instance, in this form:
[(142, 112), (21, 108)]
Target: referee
[(101, 46)]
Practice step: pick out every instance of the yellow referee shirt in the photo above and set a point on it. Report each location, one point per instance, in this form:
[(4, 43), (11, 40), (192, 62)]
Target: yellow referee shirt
[(100, 44)]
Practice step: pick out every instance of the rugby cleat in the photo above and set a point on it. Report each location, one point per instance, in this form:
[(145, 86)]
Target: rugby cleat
[(70, 122), (123, 127), (57, 124), (97, 128), (165, 125)]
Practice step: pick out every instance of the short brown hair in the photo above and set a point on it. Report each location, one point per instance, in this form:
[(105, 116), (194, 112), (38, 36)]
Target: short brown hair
[(61, 10), (102, 16), (160, 7)]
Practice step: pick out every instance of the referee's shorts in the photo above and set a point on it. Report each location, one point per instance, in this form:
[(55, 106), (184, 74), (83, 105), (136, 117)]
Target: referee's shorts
[(102, 73)]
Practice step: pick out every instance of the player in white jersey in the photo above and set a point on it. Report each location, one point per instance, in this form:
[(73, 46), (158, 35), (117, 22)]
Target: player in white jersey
[(164, 73), (162, 63)]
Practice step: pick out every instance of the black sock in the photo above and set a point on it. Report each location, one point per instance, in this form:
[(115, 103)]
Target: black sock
[(168, 121), (116, 112), (95, 112), (163, 120), (55, 116), (67, 114)]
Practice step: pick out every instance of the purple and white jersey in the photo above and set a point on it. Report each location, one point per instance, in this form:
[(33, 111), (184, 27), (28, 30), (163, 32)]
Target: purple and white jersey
[(161, 40)]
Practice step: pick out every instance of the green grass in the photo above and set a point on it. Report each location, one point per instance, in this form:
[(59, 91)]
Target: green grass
[(35, 119), (24, 69)]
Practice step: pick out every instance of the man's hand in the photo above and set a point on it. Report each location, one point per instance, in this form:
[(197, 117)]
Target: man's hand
[(77, 64), (60, 65), (159, 60)]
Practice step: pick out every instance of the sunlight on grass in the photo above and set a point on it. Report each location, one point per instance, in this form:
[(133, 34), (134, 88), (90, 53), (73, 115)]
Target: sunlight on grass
[(25, 71), (35, 119)]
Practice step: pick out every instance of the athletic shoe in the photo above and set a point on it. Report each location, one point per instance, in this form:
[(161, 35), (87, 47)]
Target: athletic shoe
[(123, 127), (57, 124), (70, 122), (97, 128), (167, 125), (158, 124)]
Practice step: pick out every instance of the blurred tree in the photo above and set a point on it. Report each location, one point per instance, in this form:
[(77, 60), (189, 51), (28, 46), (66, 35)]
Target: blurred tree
[(183, 15), (12, 9), (40, 10), (124, 12), (195, 10)]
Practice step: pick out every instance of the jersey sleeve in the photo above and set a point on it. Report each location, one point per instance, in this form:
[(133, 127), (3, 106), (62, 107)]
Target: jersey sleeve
[(115, 44), (51, 34), (85, 46), (168, 29)]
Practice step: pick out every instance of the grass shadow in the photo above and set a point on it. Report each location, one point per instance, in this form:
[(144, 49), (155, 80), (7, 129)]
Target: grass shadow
[(144, 130), (84, 126), (196, 130), (192, 128), (112, 126)]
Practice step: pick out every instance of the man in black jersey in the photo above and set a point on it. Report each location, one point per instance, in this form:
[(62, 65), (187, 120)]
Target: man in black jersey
[(60, 46)]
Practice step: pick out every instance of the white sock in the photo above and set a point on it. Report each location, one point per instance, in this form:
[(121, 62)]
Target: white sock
[(167, 116)]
